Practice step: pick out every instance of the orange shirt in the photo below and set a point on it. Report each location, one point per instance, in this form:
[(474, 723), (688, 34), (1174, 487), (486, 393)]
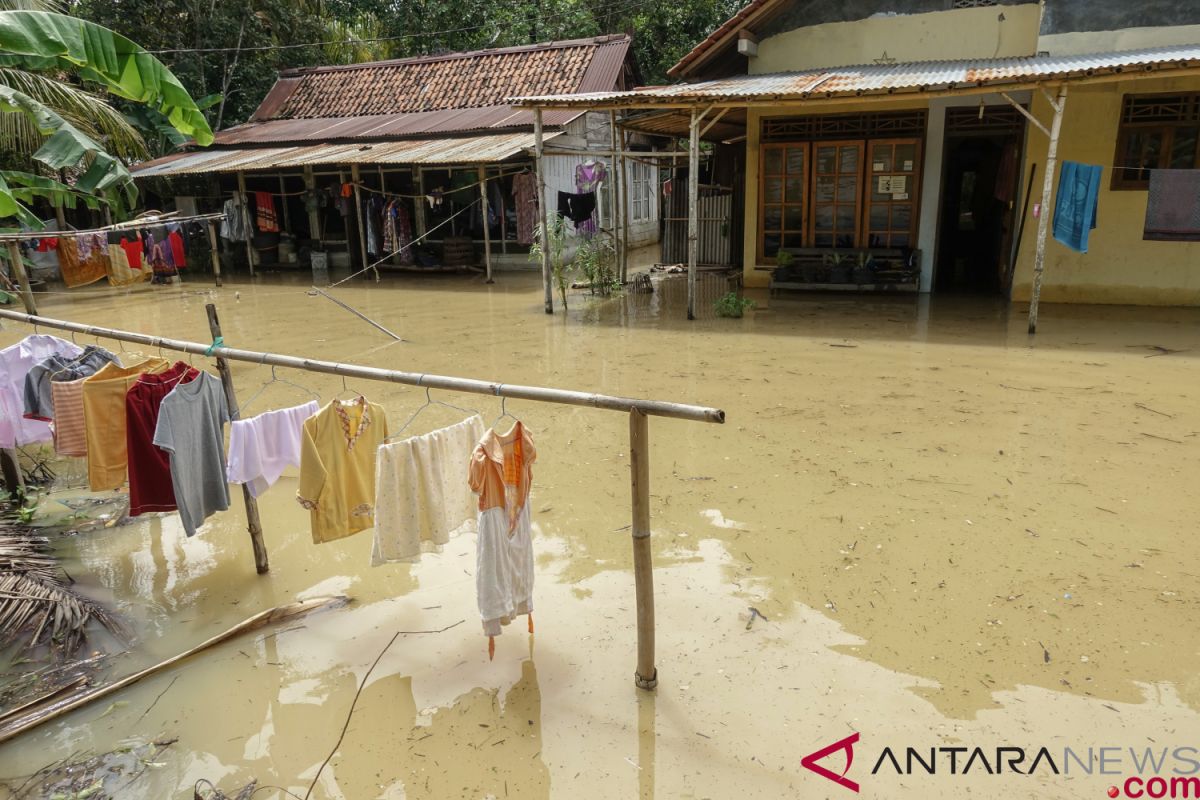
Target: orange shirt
[(501, 470)]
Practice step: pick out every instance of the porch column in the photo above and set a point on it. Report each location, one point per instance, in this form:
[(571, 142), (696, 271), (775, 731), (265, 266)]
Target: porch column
[(618, 183), (693, 239), (487, 228), (314, 214), (241, 182), (356, 178), (1039, 261), (539, 152)]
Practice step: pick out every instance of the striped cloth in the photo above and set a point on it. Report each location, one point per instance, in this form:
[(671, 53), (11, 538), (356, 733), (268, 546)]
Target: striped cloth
[(70, 437)]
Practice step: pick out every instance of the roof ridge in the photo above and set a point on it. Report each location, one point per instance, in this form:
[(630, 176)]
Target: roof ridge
[(560, 44)]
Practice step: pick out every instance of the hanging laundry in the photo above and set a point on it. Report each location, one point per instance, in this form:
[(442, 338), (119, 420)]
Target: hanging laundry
[(1075, 204), (435, 198), (501, 473), (15, 363), (119, 271), (131, 243), (389, 227), (404, 235), (264, 208), (104, 421), (337, 467), (150, 485), (578, 208), (420, 497), (191, 428), (77, 271), (262, 447), (160, 255), (39, 400), (1173, 206), (588, 177), (175, 241), (373, 212), (234, 225), (70, 433), (525, 196)]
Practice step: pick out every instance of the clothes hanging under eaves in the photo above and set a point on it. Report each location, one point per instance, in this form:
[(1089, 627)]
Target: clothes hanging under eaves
[(525, 201), (1173, 206), (1075, 204)]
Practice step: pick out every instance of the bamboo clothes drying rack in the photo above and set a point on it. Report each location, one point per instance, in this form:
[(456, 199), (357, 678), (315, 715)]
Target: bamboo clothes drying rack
[(639, 411)]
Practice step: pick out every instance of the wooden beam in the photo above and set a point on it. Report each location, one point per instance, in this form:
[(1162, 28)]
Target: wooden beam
[(283, 202), (1037, 123), (253, 523), (624, 208), (618, 182), (539, 147), (356, 178), (314, 213), (1039, 261), (16, 266), (216, 255), (693, 235), (646, 674), (241, 182), (487, 228)]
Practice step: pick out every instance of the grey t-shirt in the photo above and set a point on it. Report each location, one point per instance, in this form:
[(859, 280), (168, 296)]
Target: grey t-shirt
[(39, 403), (190, 428)]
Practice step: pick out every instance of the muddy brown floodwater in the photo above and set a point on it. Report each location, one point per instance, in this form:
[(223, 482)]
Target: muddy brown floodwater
[(955, 535)]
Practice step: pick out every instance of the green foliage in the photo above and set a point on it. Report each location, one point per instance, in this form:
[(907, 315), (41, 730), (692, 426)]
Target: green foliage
[(732, 305), (556, 247), (784, 259), (596, 258)]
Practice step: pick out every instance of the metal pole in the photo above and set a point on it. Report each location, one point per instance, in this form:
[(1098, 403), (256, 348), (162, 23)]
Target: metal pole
[(487, 228), (541, 394), (253, 523), (17, 265), (539, 149), (358, 207), (1039, 261), (216, 256), (693, 236), (646, 675), (241, 181)]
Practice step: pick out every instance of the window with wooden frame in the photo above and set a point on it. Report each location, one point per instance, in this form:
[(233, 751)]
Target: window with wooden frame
[(1157, 131), (783, 194), (891, 193), (836, 195)]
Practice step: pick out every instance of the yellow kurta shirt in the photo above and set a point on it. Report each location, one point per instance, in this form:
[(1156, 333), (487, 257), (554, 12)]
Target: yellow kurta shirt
[(104, 421), (337, 467)]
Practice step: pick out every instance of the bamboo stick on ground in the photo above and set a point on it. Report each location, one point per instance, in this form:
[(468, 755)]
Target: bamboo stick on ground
[(259, 620)]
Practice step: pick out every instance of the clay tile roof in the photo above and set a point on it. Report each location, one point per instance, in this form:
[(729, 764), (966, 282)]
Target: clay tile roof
[(454, 81)]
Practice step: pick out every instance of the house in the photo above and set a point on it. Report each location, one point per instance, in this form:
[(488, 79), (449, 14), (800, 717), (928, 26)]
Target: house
[(903, 144), (335, 150)]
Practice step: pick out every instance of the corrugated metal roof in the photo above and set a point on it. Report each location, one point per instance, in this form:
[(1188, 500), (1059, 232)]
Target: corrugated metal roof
[(887, 79), (465, 150), (384, 126)]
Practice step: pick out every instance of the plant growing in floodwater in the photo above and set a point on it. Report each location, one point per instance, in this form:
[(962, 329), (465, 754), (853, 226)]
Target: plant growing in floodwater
[(555, 247), (596, 258), (732, 304)]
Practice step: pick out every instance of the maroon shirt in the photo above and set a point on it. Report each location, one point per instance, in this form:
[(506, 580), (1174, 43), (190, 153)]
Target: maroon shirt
[(150, 487)]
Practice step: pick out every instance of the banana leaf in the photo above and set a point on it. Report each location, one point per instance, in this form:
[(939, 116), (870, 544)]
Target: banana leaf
[(40, 40), (26, 186), (11, 207)]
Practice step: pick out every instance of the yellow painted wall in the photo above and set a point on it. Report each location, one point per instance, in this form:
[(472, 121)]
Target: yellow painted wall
[(1066, 44), (1119, 266), (987, 32), (752, 276)]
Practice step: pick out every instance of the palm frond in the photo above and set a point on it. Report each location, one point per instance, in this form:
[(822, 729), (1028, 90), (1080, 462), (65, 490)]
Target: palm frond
[(86, 111), (56, 6), (37, 606)]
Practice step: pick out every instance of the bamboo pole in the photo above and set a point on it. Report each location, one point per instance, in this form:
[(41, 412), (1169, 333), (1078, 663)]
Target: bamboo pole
[(618, 181), (542, 394), (241, 181), (625, 181), (355, 177), (693, 235), (259, 620), (17, 264), (539, 150), (646, 676), (487, 228), (1039, 261), (253, 523), (216, 256)]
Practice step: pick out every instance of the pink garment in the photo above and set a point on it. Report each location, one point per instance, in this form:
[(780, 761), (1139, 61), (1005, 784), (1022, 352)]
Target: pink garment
[(262, 447), (588, 178), (15, 363)]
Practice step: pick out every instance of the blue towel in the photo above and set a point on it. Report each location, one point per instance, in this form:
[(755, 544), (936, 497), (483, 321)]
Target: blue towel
[(1075, 204)]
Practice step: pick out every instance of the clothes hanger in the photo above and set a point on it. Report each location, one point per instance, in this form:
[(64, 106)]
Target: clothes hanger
[(346, 389), (429, 401), (504, 413), (275, 379)]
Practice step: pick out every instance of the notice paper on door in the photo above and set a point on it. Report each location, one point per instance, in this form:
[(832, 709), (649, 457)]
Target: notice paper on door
[(892, 184)]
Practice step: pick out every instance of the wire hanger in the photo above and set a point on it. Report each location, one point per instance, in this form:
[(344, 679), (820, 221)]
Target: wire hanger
[(429, 401), (503, 410), (346, 389), (275, 379)]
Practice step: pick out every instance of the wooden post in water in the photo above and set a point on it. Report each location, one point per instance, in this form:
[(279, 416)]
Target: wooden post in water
[(626, 179), (17, 266), (356, 178), (487, 228), (1039, 261), (646, 676), (618, 181), (241, 181), (693, 234), (539, 151), (216, 256), (253, 523)]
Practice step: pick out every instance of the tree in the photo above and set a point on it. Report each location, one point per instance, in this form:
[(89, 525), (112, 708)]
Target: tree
[(59, 127)]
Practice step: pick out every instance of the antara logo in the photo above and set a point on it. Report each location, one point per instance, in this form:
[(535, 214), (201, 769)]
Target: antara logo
[(810, 762)]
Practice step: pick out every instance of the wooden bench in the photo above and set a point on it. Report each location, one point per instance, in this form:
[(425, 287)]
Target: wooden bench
[(849, 270)]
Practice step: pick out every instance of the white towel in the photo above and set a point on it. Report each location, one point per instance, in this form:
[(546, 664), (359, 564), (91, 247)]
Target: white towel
[(422, 497), (262, 447)]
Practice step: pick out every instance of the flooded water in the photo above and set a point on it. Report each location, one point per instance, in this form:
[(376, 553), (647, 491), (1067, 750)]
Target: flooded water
[(954, 535)]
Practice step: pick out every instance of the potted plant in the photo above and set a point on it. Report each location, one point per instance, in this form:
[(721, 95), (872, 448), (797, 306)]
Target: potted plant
[(839, 271), (732, 305), (862, 271)]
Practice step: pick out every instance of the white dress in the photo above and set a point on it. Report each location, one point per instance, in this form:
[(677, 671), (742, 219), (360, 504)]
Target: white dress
[(503, 569)]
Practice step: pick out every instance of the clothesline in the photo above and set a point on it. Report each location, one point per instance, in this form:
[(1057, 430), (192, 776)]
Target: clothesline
[(149, 222)]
